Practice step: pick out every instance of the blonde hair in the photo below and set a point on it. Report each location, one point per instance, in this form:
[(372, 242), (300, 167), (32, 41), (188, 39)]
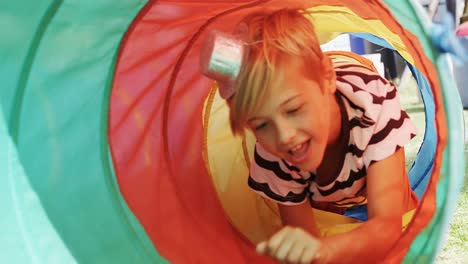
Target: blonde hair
[(273, 38)]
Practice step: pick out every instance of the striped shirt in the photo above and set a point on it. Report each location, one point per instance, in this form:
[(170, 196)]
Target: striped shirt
[(375, 127)]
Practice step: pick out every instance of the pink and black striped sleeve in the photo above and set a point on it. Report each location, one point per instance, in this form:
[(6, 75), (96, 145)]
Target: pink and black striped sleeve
[(273, 178), (393, 127)]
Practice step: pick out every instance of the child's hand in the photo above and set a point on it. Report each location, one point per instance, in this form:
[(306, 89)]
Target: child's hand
[(292, 245)]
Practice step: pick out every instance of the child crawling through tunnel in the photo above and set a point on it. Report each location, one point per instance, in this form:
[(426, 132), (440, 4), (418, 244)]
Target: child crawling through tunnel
[(330, 134)]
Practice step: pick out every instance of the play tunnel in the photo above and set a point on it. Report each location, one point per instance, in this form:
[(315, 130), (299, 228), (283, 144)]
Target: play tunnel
[(114, 148)]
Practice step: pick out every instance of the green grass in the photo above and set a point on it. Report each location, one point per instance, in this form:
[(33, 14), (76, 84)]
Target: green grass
[(455, 249)]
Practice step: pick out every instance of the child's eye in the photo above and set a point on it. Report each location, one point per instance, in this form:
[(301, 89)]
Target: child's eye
[(294, 110), (262, 125)]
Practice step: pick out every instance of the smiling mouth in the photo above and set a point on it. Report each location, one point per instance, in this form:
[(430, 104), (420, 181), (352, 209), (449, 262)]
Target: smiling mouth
[(299, 152)]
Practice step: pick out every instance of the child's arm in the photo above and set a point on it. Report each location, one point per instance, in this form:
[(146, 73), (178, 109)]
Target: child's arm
[(296, 242), (299, 216), (386, 189)]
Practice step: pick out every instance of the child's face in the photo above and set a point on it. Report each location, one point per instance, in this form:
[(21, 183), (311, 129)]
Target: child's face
[(293, 120)]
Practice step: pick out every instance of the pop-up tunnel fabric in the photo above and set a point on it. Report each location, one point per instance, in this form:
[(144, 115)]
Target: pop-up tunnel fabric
[(110, 135)]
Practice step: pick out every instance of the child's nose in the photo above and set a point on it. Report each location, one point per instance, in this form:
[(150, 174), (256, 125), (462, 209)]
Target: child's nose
[(285, 134)]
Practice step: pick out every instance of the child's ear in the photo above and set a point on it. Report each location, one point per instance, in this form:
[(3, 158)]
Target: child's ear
[(329, 76), (331, 80)]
